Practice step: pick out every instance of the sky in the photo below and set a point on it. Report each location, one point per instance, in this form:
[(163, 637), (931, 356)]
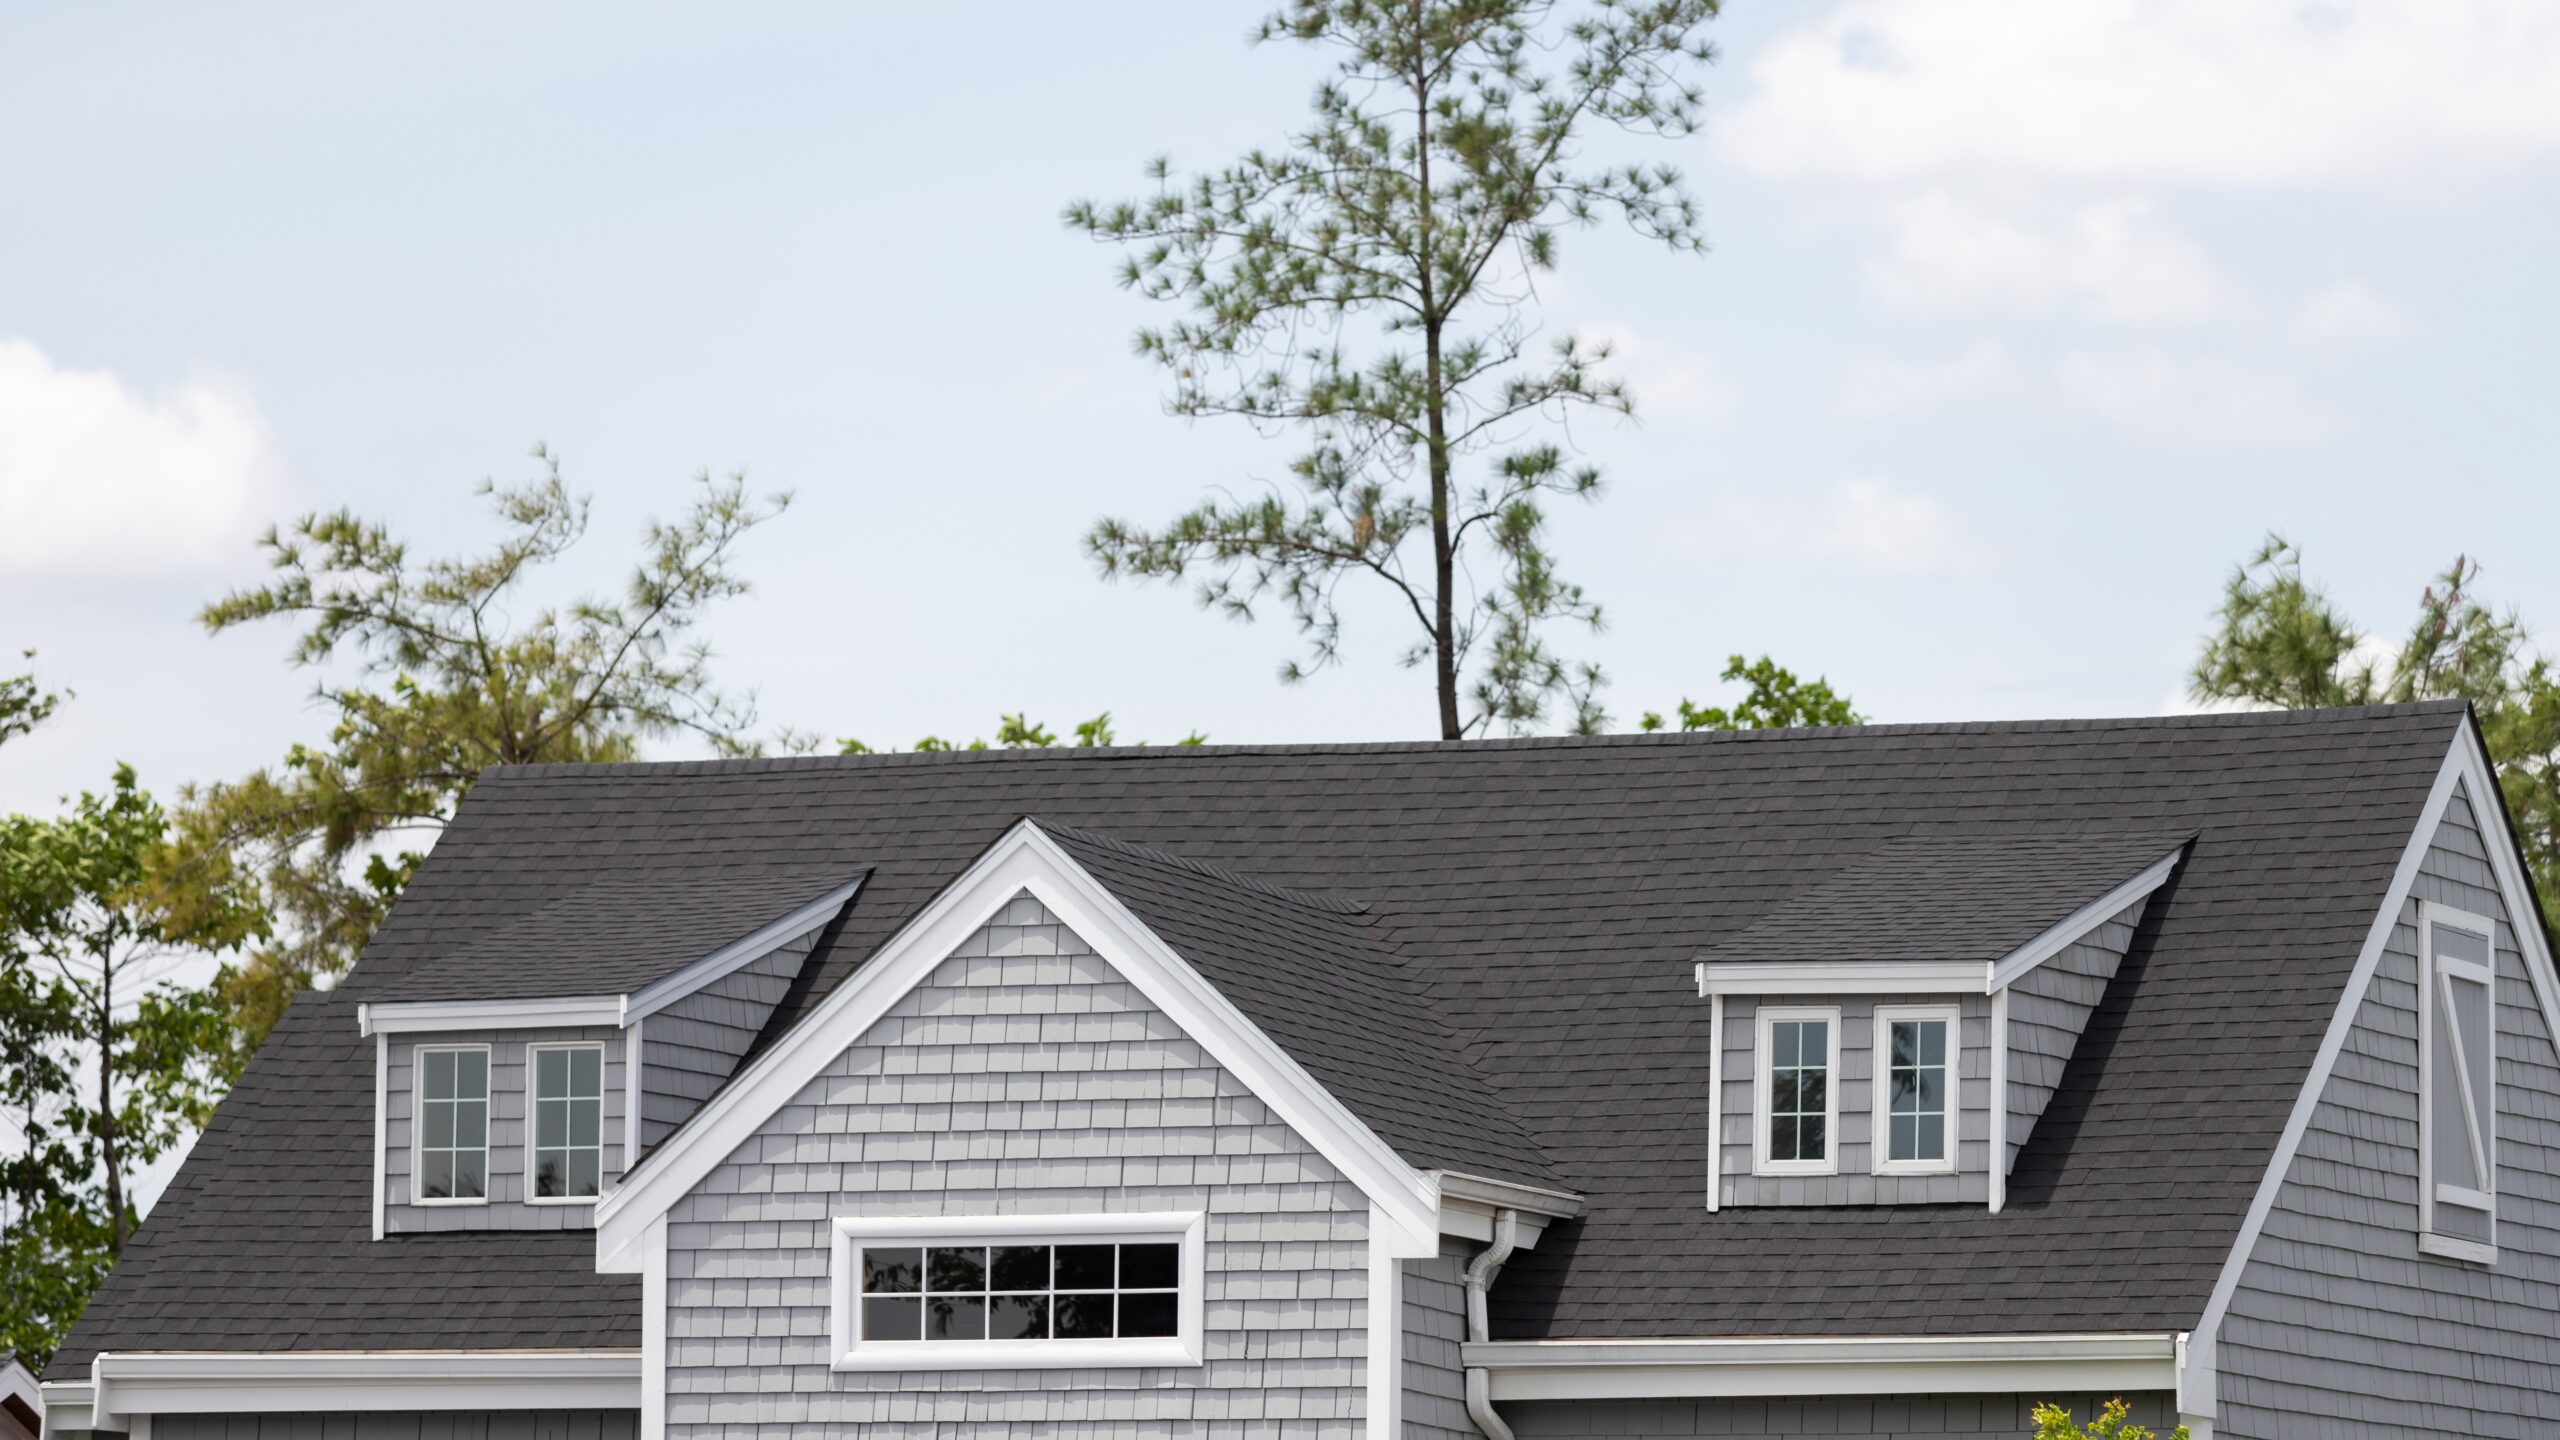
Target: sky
[(2020, 325)]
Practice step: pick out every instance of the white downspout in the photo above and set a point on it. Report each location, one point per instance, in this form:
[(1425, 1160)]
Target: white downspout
[(1480, 1273)]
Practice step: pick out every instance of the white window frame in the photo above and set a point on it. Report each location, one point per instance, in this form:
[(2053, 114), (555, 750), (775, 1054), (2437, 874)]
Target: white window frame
[(1880, 1119), (418, 1123), (851, 1235), (2433, 970), (533, 1124), (1761, 1053)]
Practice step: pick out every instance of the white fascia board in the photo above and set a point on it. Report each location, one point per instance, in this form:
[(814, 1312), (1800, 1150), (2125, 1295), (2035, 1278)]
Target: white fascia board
[(1848, 977), (656, 996), (2106, 1364), (411, 1017), (232, 1382), (1470, 1204), (1023, 860), (2080, 922), (2467, 766)]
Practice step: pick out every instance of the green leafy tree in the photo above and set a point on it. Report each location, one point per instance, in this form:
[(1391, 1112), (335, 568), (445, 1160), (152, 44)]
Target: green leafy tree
[(450, 676), (2280, 640), (23, 706), (109, 1061), (2054, 1422), (1019, 732), (1776, 699), (1370, 286)]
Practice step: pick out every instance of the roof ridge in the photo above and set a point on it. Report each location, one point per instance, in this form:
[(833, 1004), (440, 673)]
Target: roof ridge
[(1333, 904), (1087, 754)]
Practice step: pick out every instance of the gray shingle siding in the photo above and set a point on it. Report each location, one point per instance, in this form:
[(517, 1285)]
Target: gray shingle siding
[(1877, 1417), (509, 1100), (690, 1048), (2339, 1326), (1023, 1077), (382, 1425), (1435, 1325), (2048, 1008), (1855, 1184)]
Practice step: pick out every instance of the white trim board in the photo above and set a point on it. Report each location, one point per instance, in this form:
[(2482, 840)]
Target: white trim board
[(139, 1384), (1023, 860), (1384, 1373), (1868, 1365), (2466, 765)]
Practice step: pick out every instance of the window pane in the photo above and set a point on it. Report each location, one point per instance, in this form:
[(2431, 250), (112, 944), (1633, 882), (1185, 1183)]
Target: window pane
[(951, 1270), (1021, 1267), (1810, 1139), (439, 1125), (1783, 1043), (1933, 1137), (435, 1176), (900, 1271), (550, 1122), (1084, 1267), (586, 1072), (1906, 1138), (1150, 1267), (469, 1174), (1018, 1317), (584, 1166), (1817, 1041), (584, 1118), (1144, 1315), (551, 1072), (1933, 1091), (1782, 1137), (439, 1074), (1782, 1092), (1933, 1043), (471, 1124), (1811, 1091), (1081, 1317), (1906, 1043), (1902, 1093), (955, 1317), (548, 1182), (892, 1318), (471, 1074)]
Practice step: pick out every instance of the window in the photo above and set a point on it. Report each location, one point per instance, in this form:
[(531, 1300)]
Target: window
[(2457, 1084), (1913, 1118), (453, 1124), (568, 1121), (1798, 1107), (974, 1293)]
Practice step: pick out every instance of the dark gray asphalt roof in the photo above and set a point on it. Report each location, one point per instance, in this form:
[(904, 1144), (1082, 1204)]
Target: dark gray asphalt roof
[(615, 934), (1313, 974), (1927, 897), (1552, 897)]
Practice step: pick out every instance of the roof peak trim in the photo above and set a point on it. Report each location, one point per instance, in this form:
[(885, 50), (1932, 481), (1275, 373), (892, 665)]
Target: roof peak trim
[(1023, 859)]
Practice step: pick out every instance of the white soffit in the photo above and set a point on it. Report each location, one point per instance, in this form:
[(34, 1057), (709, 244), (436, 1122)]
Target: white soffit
[(2104, 1364), (124, 1384)]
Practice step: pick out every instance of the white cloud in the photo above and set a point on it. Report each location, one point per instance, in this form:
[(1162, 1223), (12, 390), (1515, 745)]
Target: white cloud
[(1877, 386), (1678, 383), (2112, 261), (2349, 315), (94, 477), (1873, 522), (2204, 400), (2223, 92)]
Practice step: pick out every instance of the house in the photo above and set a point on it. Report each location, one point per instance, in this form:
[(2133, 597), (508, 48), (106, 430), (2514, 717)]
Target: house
[(1853, 1082), (21, 1404)]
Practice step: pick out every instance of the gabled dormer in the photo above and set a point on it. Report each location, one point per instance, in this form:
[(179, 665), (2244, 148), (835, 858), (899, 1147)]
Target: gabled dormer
[(1892, 1034), (520, 1074)]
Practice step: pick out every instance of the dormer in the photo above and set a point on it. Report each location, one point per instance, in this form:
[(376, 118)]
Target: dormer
[(1892, 1035), (521, 1073)]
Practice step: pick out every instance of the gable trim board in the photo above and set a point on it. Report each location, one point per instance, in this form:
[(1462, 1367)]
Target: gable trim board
[(738, 955), (2466, 766), (1886, 1365), (1024, 859), (133, 1385), (2080, 922)]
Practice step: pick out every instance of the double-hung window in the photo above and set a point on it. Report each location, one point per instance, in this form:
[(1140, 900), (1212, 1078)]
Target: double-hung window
[(453, 1124), (1022, 1292), (1912, 1117), (2457, 1084), (1796, 1123), (568, 1121)]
